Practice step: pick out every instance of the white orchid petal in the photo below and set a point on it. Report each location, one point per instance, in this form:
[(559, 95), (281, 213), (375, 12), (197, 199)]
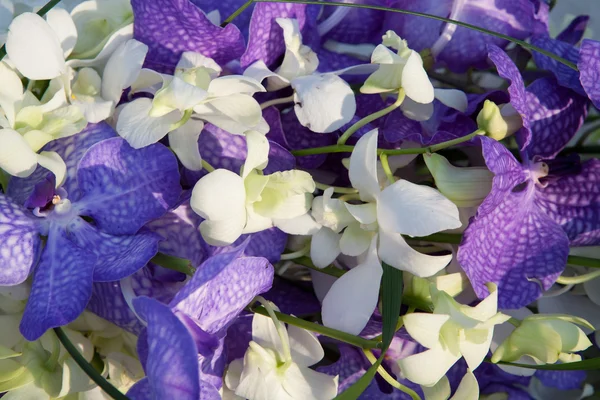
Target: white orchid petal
[(184, 143), (148, 81), (440, 391), (302, 225), (579, 306), (363, 167), (62, 24), (304, 383), (53, 163), (219, 195), (99, 60), (353, 297), (222, 232), (232, 84), (437, 362), (425, 328), (416, 111), (394, 251), (468, 389), (473, 348), (424, 210), (305, 347), (415, 81), (256, 222), (11, 92), (34, 48), (364, 213), (123, 69), (453, 98), (355, 240), (265, 333), (16, 157), (258, 152), (192, 59), (324, 103), (96, 110), (235, 114), (176, 95), (259, 72), (139, 129), (324, 247)]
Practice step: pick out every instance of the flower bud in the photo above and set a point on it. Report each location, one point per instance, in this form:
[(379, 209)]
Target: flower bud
[(547, 338), (465, 187), (499, 121)]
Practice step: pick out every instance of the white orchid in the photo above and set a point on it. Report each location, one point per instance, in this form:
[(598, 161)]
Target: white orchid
[(276, 365), (233, 205), (404, 70), (323, 102), (194, 94), (453, 331)]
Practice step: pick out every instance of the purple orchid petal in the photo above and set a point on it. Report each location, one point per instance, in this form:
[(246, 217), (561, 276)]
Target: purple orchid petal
[(398, 128), (574, 203), (589, 69), (141, 390), (215, 302), (573, 33), (71, 149), (171, 27), (226, 8), (280, 159), (562, 380), (172, 364), (467, 48), (118, 256), (556, 113), (331, 61), (565, 75), (359, 25), (300, 137), (108, 302), (351, 365), (265, 40), (518, 95), (124, 188), (20, 242), (476, 100), (179, 228), (513, 243), (492, 379), (62, 285), (269, 244), (43, 192)]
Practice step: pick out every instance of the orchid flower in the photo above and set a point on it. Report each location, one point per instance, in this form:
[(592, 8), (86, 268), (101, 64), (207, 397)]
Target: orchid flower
[(404, 70), (323, 102), (451, 332), (276, 365), (195, 91), (234, 204)]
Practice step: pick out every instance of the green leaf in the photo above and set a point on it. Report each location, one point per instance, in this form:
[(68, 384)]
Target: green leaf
[(585, 365), (430, 16), (391, 298), (361, 385)]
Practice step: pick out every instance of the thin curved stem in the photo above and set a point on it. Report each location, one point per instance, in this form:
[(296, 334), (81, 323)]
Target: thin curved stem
[(336, 189), (430, 16), (372, 117), (87, 367), (274, 102), (236, 13), (574, 280), (207, 166)]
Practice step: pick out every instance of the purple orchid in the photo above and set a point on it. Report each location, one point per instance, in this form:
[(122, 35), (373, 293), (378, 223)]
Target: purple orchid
[(182, 346), (171, 27), (120, 189), (520, 237), (460, 48)]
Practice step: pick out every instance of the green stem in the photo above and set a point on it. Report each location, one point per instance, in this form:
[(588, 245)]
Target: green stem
[(323, 330), (236, 13), (390, 379), (87, 368), (370, 118), (281, 331), (386, 168), (207, 166), (583, 261), (452, 238), (296, 254), (336, 189), (341, 148), (3, 180), (574, 280), (173, 263), (274, 102), (41, 12), (430, 16)]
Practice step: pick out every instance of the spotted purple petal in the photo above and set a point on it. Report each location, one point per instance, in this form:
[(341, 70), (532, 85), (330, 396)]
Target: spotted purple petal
[(589, 69), (518, 95), (43, 192), (172, 364), (573, 33), (141, 390), (359, 25), (179, 228), (225, 9), (20, 242), (71, 149), (118, 256), (124, 188), (171, 27), (62, 285), (574, 203), (556, 114), (216, 302), (265, 40), (565, 75), (562, 380), (269, 244)]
